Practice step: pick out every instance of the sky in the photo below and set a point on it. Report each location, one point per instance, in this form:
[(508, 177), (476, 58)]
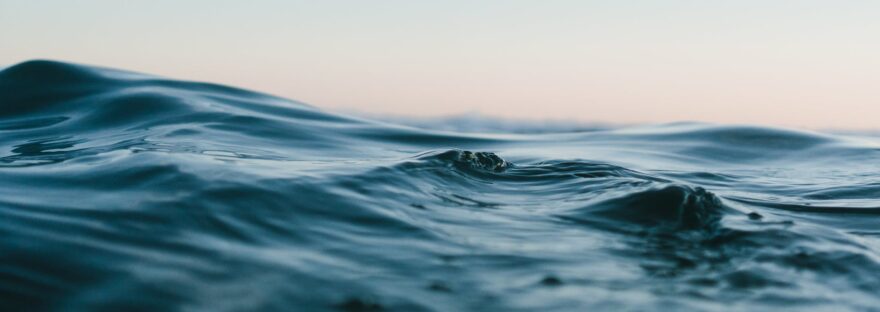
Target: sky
[(807, 64)]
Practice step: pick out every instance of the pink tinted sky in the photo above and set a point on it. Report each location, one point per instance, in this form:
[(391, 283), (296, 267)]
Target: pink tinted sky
[(810, 64)]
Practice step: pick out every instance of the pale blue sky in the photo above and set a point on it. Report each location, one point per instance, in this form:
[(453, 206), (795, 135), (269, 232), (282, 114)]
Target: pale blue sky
[(799, 63)]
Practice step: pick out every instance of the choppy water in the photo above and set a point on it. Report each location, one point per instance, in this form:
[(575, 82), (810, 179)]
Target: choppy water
[(124, 192)]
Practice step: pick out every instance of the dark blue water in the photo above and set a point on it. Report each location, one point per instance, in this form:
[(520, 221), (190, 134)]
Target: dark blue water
[(127, 192)]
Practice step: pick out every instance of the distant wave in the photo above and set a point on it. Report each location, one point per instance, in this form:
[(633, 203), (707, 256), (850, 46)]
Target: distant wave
[(124, 191), (478, 123)]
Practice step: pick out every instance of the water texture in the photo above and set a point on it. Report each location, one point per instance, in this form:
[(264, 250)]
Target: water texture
[(127, 192)]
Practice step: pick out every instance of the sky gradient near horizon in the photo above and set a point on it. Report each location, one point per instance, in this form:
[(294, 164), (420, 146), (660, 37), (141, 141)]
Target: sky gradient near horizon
[(809, 64)]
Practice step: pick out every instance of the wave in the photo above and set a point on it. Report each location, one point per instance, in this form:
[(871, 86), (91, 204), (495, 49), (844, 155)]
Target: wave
[(126, 191)]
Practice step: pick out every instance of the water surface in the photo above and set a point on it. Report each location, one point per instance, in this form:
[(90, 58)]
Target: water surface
[(128, 192)]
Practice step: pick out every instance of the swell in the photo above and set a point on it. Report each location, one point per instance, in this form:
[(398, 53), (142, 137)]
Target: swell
[(45, 98), (44, 101)]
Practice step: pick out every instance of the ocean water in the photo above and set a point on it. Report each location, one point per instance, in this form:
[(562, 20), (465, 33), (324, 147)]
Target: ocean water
[(127, 192)]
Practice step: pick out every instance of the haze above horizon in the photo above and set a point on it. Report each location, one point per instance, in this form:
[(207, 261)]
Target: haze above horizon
[(809, 64)]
